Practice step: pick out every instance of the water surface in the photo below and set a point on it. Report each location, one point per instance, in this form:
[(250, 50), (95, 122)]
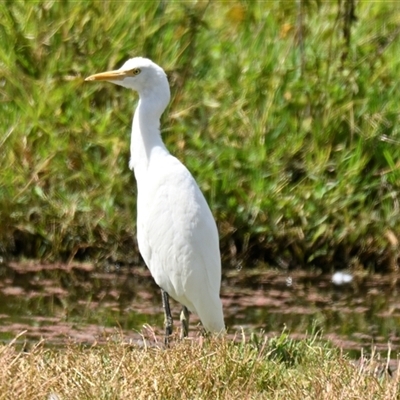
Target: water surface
[(58, 302)]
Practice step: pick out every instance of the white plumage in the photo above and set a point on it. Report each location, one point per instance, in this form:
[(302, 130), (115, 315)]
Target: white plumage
[(177, 234)]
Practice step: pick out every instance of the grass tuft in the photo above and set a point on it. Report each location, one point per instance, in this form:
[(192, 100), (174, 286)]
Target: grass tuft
[(196, 368)]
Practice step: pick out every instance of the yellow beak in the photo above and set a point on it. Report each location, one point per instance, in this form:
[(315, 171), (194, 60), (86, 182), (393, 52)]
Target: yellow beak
[(115, 75)]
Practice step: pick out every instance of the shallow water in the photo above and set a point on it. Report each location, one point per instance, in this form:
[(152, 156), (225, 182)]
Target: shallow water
[(59, 302)]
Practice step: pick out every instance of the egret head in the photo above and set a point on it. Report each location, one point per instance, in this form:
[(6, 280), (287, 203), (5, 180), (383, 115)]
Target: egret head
[(139, 74)]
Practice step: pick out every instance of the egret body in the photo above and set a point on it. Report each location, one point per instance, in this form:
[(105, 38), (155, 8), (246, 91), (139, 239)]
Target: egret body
[(177, 234)]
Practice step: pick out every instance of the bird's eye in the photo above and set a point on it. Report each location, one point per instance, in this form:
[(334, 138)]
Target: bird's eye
[(135, 71)]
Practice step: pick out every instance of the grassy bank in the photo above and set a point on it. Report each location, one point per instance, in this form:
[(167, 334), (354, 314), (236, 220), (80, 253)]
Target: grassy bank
[(287, 115), (220, 369)]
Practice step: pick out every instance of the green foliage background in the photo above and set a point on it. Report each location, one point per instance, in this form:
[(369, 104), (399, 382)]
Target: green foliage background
[(290, 127)]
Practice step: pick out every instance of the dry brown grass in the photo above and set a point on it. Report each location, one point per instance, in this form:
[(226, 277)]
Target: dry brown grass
[(215, 368)]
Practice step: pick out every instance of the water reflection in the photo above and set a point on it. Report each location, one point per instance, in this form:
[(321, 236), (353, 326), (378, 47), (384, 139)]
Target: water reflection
[(363, 312), (78, 302)]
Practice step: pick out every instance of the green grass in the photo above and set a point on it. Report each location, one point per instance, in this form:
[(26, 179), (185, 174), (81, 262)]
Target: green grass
[(217, 368), (295, 144)]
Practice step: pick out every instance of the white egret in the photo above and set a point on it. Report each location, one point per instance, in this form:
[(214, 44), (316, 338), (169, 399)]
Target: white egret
[(177, 234)]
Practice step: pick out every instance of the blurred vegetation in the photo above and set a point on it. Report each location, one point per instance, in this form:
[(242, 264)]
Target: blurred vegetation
[(287, 114)]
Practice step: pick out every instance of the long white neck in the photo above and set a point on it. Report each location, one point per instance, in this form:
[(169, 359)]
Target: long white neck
[(146, 139)]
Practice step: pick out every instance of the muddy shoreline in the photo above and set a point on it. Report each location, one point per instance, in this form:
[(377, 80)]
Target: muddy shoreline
[(79, 303)]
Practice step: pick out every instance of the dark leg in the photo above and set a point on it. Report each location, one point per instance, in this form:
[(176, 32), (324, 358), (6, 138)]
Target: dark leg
[(167, 316), (184, 322)]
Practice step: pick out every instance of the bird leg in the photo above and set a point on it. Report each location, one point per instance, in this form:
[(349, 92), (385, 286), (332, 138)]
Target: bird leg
[(167, 316), (184, 322)]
